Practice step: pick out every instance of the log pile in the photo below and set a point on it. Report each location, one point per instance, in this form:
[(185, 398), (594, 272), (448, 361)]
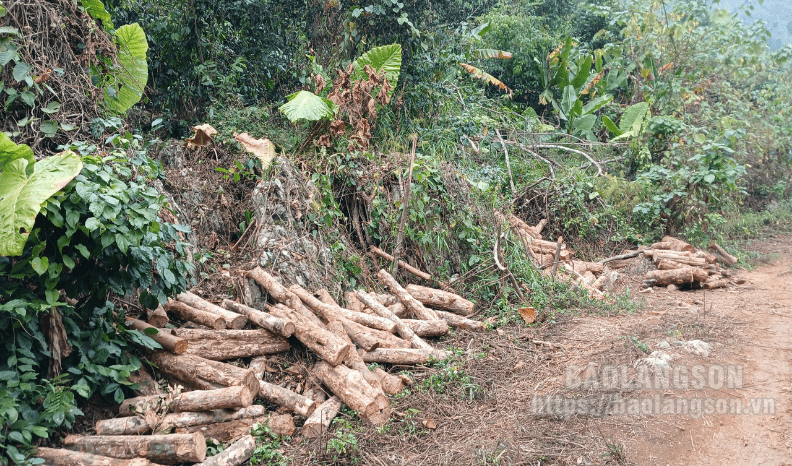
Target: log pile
[(680, 264), (219, 359)]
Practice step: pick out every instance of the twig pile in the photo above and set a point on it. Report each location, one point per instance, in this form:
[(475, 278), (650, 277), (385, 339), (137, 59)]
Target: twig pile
[(372, 328)]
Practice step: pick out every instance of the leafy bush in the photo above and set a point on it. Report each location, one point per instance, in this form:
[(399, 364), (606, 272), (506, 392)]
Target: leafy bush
[(100, 236)]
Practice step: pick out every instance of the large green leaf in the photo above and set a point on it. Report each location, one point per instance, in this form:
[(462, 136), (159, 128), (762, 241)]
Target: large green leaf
[(611, 125), (632, 120), (10, 152), (305, 105), (386, 58), (597, 104), (127, 90), (97, 10), (21, 195)]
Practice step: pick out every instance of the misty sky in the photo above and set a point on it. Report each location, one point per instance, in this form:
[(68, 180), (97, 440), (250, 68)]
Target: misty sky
[(777, 14)]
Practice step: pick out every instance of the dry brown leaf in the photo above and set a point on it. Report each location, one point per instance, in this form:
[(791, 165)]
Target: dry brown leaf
[(528, 314), (203, 136), (263, 149), (429, 424)]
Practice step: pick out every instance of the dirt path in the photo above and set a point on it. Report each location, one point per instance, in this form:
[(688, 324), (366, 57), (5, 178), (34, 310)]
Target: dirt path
[(762, 345)]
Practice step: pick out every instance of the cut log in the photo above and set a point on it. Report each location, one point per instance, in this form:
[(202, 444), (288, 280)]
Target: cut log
[(710, 258), (418, 273), (224, 432), (148, 386), (681, 257), (525, 228), (399, 310), (165, 449), (677, 276), (326, 297), (281, 294), (668, 264), (351, 388), (258, 366), (262, 319), (677, 244), (458, 321), (441, 299), (331, 313), (222, 345), (352, 302), (387, 339), (594, 267), (713, 284), (136, 425), (548, 247), (199, 400), (426, 328), (600, 282), (359, 334), (390, 383), (235, 454), (62, 457), (723, 256), (322, 342), (413, 305), (385, 299), (353, 360), (168, 341), (403, 356), (369, 320), (202, 373), (157, 317), (233, 319), (320, 420), (622, 257), (403, 329), (185, 312), (290, 400), (282, 424)]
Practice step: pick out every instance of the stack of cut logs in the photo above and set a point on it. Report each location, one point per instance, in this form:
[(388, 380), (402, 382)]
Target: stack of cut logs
[(372, 328), (679, 263), (555, 258)]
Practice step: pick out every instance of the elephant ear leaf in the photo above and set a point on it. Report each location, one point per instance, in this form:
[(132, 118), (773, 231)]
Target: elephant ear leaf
[(10, 152), (305, 105), (130, 80), (386, 58), (97, 10), (21, 195)]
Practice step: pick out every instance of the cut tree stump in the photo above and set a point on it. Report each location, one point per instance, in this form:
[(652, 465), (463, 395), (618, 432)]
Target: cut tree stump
[(202, 373), (412, 304), (723, 256), (164, 449), (63, 457), (426, 328), (261, 318), (157, 317), (458, 321), (185, 312), (281, 294), (403, 355), (403, 329), (233, 319), (167, 340), (441, 299), (199, 400), (136, 425), (235, 454), (320, 420), (318, 339), (288, 399), (222, 345), (351, 388), (677, 276)]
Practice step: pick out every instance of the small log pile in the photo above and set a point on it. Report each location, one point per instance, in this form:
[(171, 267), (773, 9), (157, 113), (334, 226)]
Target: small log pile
[(680, 264), (219, 358)]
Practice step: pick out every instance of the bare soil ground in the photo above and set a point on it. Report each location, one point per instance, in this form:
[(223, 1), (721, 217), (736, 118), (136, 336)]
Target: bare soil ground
[(482, 408)]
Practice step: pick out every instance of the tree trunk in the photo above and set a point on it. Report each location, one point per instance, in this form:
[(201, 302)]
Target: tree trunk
[(403, 329), (185, 312), (677, 244), (199, 400), (262, 319), (351, 388), (221, 345), (458, 321), (157, 317), (281, 294), (403, 355), (677, 276), (725, 258), (136, 425), (203, 373), (168, 341), (62, 457), (235, 454), (288, 399), (426, 328), (320, 420), (441, 299), (165, 449), (233, 320), (322, 342), (412, 304)]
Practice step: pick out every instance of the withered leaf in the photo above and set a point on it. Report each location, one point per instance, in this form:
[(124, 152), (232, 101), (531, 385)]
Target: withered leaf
[(263, 149), (203, 136)]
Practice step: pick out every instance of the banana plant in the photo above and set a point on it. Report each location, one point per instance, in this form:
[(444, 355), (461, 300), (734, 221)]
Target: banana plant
[(475, 37)]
